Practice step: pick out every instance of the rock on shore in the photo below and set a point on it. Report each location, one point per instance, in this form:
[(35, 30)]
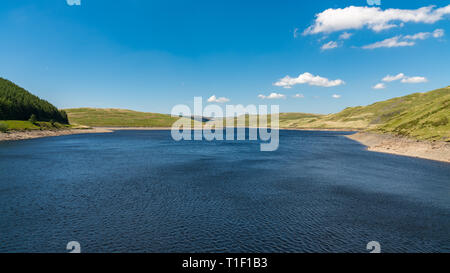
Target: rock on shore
[(20, 135)]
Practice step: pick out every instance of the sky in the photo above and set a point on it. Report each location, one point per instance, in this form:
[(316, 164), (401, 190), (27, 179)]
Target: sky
[(314, 57)]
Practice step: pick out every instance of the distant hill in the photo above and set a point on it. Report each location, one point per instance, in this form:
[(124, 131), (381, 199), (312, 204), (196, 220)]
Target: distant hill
[(17, 103), (286, 120), (420, 115), (103, 117)]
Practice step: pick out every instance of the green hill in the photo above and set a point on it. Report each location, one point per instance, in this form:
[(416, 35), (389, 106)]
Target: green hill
[(286, 120), (17, 103), (420, 115), (118, 118)]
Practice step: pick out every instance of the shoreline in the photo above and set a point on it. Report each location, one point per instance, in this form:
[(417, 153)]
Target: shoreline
[(321, 129), (375, 142), (32, 134), (390, 144)]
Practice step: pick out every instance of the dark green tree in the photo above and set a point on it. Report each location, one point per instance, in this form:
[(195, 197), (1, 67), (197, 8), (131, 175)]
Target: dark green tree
[(17, 103), (33, 119)]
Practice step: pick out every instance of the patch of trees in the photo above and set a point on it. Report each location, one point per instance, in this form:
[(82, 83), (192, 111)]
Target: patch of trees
[(17, 103)]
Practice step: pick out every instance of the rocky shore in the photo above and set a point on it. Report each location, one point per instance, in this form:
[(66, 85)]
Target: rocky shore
[(20, 135), (384, 143)]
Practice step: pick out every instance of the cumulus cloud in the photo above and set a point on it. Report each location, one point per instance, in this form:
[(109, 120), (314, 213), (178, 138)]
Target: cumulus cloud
[(213, 98), (373, 18), (308, 78), (336, 96), (272, 96), (390, 78), (298, 96), (345, 36), (414, 80), (329, 45), (73, 2), (379, 86)]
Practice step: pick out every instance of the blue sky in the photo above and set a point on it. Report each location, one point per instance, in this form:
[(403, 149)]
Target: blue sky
[(152, 55)]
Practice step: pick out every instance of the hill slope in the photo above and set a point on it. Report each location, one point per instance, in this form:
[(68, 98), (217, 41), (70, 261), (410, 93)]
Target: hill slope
[(424, 116), (419, 115), (17, 103), (101, 117)]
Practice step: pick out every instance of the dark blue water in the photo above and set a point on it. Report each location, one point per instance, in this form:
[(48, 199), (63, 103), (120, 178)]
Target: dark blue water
[(140, 191)]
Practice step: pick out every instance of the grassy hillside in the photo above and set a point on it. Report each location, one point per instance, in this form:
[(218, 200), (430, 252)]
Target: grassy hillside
[(17, 103), (419, 115), (423, 116), (286, 120), (118, 118), (27, 125)]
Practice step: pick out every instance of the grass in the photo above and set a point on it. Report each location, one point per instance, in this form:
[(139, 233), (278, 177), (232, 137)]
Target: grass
[(286, 120), (3, 127), (118, 118), (22, 125), (420, 115), (425, 116)]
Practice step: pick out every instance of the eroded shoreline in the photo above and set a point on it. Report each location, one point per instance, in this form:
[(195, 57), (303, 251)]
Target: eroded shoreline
[(31, 134), (385, 143)]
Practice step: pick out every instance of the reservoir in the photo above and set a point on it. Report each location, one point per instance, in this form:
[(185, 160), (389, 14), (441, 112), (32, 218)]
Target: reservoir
[(141, 191)]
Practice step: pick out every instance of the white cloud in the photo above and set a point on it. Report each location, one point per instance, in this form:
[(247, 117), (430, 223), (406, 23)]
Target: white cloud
[(298, 96), (414, 80), (213, 98), (390, 78), (404, 79), (329, 45), (345, 36), (336, 96), (405, 40), (272, 96), (390, 42), (308, 78), (425, 35), (379, 86), (417, 36), (73, 2), (373, 18), (438, 33)]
